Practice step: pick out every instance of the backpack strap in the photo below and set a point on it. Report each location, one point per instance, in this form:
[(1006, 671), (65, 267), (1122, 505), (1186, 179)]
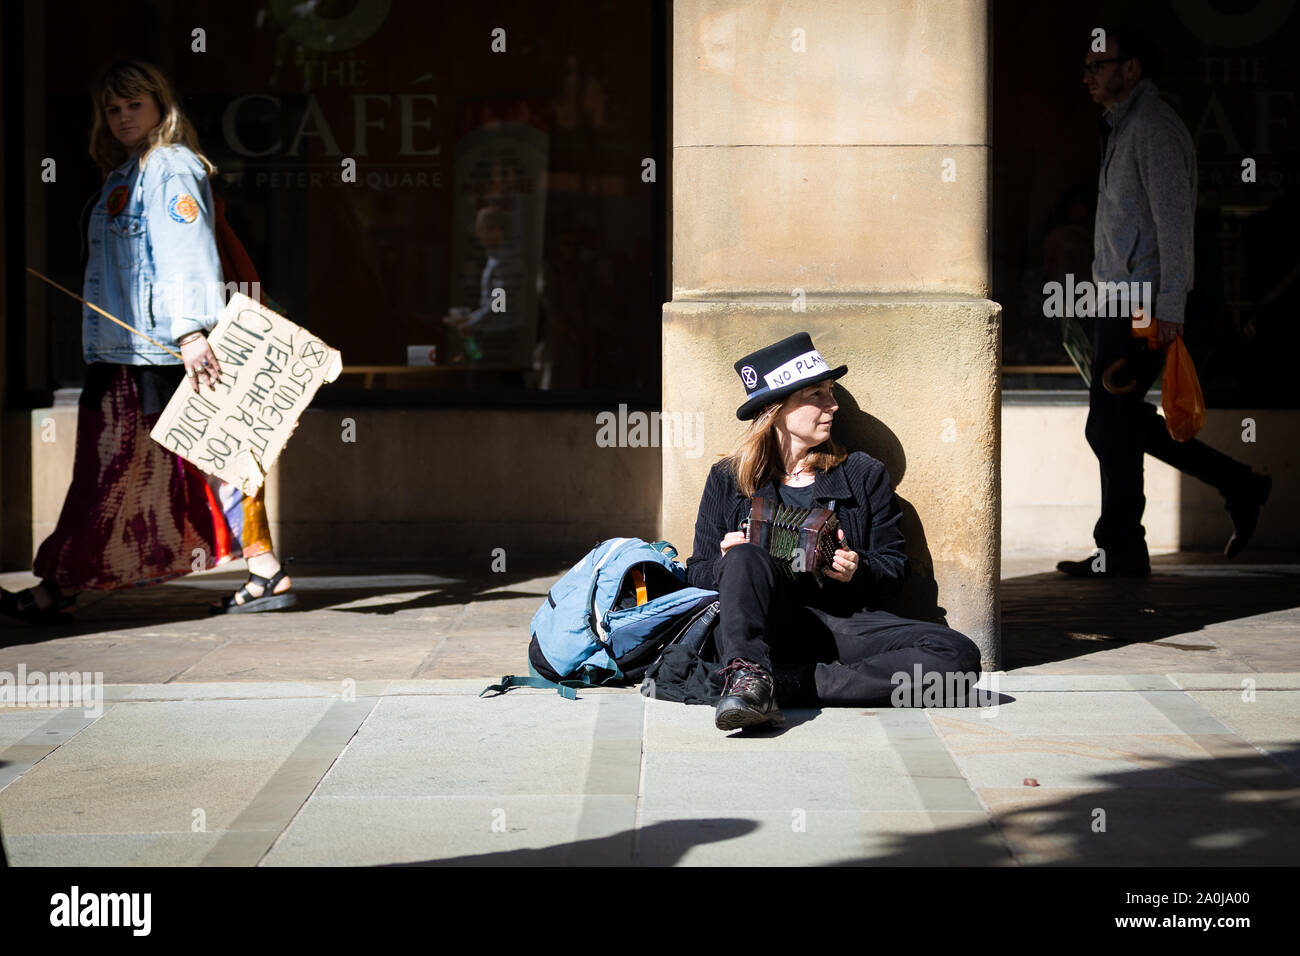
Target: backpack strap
[(512, 680), (665, 548), (566, 688)]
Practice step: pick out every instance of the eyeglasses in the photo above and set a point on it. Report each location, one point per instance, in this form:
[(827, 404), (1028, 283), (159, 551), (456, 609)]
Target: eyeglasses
[(1093, 68)]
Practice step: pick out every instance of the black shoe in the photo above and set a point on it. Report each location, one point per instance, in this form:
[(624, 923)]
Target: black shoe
[(1113, 569), (243, 602), (1244, 507), (22, 605), (748, 697)]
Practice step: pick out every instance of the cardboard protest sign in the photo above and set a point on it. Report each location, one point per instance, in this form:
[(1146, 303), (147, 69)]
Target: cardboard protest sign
[(270, 370)]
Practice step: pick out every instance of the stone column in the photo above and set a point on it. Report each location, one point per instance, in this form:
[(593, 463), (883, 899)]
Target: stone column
[(830, 175)]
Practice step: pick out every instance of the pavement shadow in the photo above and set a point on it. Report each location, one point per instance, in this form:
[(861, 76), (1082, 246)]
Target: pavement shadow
[(618, 849), (792, 718), (175, 601), (461, 592), (1237, 811), (1050, 617)]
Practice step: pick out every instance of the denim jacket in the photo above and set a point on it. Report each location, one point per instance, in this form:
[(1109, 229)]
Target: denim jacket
[(153, 259)]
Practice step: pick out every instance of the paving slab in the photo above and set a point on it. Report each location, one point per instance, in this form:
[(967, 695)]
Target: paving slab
[(147, 767), (334, 654), (1052, 712), (28, 736), (467, 746), (1174, 761), (108, 849), (767, 783), (374, 831), (19, 723), (1261, 680), (128, 656), (237, 690), (1269, 720), (464, 655), (681, 727)]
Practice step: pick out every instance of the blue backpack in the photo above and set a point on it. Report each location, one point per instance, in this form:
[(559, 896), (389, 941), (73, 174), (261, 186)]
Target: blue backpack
[(590, 630)]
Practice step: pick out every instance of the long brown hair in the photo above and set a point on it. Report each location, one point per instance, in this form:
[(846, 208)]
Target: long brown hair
[(135, 79), (757, 456)]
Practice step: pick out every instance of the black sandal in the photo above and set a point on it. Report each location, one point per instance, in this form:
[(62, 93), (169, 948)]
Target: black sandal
[(267, 601), (22, 605)]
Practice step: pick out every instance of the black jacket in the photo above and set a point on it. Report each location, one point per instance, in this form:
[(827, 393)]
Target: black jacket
[(868, 512)]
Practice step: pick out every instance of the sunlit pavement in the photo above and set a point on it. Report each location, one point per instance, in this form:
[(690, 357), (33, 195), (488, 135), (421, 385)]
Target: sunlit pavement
[(1146, 722)]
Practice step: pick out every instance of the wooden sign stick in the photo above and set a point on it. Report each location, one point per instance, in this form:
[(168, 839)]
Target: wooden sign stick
[(111, 318)]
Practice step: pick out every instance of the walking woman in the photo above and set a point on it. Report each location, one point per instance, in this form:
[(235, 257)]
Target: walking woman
[(136, 513), (785, 640)]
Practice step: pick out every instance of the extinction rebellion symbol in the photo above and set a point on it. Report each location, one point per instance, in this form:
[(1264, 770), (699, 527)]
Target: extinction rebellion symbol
[(312, 353), (749, 376)]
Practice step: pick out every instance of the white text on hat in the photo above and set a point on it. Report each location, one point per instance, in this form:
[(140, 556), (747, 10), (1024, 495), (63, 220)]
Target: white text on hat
[(803, 366)]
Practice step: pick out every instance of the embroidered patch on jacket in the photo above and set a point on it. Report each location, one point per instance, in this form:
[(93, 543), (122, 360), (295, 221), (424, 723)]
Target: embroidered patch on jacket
[(183, 208), (116, 200)]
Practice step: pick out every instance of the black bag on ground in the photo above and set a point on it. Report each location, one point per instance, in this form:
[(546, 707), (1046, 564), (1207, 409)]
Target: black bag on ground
[(686, 672)]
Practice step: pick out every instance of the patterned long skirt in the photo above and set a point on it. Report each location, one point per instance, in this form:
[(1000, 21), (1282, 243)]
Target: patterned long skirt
[(136, 513)]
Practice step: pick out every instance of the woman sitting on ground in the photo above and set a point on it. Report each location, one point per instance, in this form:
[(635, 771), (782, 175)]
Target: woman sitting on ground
[(785, 640)]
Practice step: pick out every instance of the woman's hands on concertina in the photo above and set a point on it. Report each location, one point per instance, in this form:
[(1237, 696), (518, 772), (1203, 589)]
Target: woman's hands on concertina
[(843, 566), (845, 563)]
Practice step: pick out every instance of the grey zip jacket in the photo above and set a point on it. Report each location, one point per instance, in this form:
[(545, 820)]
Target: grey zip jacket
[(1146, 201)]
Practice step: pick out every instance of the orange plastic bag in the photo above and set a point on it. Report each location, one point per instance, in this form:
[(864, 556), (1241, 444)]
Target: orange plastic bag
[(1180, 393), (1180, 389)]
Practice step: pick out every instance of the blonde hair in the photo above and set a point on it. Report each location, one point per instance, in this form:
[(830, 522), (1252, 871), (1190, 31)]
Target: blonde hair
[(757, 456), (135, 79)]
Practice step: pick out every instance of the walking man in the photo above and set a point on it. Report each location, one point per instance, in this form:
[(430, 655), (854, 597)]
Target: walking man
[(1146, 204)]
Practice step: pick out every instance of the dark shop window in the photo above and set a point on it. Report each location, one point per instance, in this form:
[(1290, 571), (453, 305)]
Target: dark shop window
[(1231, 74), (499, 176)]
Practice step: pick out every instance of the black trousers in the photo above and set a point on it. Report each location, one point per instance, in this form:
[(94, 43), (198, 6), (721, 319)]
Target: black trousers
[(1122, 428), (765, 618)]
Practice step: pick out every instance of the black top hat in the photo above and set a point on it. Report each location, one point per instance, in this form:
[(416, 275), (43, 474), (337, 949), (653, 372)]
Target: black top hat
[(772, 373)]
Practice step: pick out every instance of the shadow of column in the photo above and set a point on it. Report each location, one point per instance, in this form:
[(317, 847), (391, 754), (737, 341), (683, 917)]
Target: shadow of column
[(858, 430), (16, 549)]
